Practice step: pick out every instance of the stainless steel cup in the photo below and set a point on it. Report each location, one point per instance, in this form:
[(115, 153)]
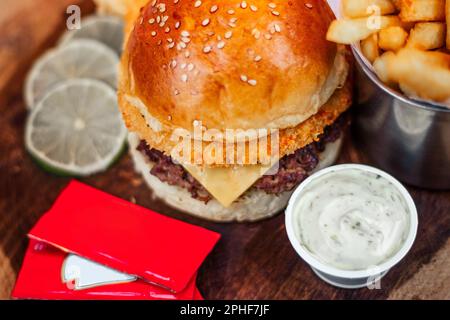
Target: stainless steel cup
[(407, 138)]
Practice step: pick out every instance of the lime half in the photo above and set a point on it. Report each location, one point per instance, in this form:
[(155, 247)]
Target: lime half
[(105, 29), (76, 129), (78, 59)]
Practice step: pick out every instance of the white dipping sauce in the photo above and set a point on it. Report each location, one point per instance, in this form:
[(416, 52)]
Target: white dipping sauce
[(351, 219)]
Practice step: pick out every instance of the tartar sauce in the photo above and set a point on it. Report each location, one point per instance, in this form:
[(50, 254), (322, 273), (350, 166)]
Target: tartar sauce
[(351, 219)]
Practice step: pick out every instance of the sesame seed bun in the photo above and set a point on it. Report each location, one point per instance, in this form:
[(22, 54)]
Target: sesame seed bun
[(291, 139), (230, 64)]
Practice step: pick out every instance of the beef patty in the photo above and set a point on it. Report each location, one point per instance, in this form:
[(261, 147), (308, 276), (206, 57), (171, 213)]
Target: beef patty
[(293, 168)]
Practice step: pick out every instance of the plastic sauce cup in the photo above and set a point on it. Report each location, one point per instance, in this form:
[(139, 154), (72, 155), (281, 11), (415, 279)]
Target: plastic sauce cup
[(350, 279)]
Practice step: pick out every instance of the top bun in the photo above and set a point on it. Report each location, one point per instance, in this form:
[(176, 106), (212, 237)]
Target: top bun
[(231, 64)]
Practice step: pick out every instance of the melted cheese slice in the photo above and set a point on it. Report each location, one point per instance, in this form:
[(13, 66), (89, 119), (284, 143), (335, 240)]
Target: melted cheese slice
[(227, 184)]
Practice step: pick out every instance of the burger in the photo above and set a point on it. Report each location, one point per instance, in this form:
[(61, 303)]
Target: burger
[(244, 70)]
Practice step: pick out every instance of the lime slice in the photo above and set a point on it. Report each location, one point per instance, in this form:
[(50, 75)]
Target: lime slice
[(76, 129), (78, 59), (105, 29)]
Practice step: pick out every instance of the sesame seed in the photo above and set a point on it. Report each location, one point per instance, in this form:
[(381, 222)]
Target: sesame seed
[(308, 5), (207, 49), (228, 34), (185, 34), (275, 13), (153, 33), (221, 44), (231, 11), (232, 22), (253, 8), (197, 3), (176, 93), (258, 58), (205, 22), (213, 9), (151, 21), (161, 7), (183, 66), (190, 67), (277, 28), (184, 77), (167, 30), (177, 24), (252, 82), (272, 5), (244, 77), (256, 33), (244, 4)]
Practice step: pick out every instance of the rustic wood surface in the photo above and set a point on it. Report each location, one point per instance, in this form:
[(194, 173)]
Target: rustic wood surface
[(252, 261)]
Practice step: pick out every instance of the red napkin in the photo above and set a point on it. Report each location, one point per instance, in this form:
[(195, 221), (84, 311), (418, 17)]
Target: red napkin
[(41, 277), (119, 235)]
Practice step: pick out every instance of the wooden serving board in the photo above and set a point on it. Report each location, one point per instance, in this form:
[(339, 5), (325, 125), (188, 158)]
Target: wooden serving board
[(252, 261)]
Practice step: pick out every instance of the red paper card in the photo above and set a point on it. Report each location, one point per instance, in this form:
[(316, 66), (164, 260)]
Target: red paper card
[(125, 237), (41, 277)]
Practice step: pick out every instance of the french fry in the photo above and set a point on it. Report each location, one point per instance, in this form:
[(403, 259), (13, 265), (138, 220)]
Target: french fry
[(365, 8), (423, 74), (407, 38), (422, 10), (392, 38), (447, 15), (350, 31), (427, 36), (407, 26), (397, 4), (382, 66), (115, 7), (369, 47)]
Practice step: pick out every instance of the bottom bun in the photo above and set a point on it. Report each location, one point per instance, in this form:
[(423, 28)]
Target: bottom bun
[(252, 206)]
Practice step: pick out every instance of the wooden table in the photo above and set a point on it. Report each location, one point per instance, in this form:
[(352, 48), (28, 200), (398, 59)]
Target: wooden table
[(252, 261)]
